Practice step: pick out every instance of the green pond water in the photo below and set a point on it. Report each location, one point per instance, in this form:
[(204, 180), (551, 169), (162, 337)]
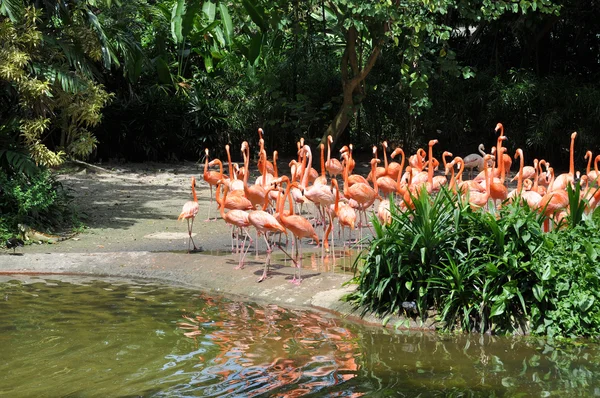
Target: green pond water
[(82, 337)]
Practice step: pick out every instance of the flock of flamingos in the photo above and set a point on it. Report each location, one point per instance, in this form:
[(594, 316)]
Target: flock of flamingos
[(262, 205)]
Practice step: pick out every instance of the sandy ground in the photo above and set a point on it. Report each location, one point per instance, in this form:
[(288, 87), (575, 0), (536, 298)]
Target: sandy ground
[(133, 232)]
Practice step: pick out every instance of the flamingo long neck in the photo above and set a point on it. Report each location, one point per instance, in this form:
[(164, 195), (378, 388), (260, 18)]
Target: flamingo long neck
[(452, 183), (275, 164), (536, 167), (345, 176), (218, 161), (303, 168), (246, 153), (308, 162), (588, 156), (461, 168), (263, 170), (430, 168), (374, 172), (520, 178), (488, 180), (328, 150), (399, 179), (572, 156), (481, 149), (194, 189), (385, 162), (229, 161), (206, 163), (217, 197), (323, 160), (222, 206), (596, 160)]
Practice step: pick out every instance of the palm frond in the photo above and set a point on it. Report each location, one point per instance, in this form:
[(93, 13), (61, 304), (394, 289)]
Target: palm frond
[(17, 162), (13, 9), (68, 80)]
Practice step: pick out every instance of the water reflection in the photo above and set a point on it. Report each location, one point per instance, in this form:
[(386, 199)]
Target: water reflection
[(99, 338), (273, 350), (338, 261)]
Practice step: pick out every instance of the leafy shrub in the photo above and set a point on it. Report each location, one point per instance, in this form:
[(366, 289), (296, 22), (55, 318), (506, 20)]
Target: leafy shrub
[(37, 200), (567, 291), (482, 271)]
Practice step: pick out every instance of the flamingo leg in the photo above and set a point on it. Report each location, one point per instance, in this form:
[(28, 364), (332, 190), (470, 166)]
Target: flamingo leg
[(243, 252), (267, 262), (210, 204), (297, 263), (332, 239), (256, 245), (190, 227)]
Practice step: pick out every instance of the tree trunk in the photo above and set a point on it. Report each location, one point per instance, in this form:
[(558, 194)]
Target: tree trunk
[(352, 81)]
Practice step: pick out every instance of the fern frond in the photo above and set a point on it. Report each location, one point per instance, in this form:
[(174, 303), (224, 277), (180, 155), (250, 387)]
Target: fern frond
[(17, 162)]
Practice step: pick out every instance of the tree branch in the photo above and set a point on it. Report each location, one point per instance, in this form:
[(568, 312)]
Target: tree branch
[(371, 61), (351, 37)]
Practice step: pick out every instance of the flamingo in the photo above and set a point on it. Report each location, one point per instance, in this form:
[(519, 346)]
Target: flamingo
[(506, 159), (322, 179), (189, 211), (347, 151), (592, 175), (553, 202), (265, 223), (560, 182), (234, 183), (438, 181), (261, 142), (211, 177), (353, 178), (238, 202), (475, 160), (334, 166), (239, 219), (379, 171), (254, 193), (518, 191), (265, 178), (299, 226), (363, 194), (417, 161), (498, 191), (476, 198), (394, 167)]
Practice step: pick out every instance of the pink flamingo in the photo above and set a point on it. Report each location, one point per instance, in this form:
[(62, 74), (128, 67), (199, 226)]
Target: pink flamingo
[(190, 209)]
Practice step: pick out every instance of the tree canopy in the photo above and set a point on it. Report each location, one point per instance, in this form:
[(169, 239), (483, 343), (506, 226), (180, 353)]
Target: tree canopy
[(164, 79)]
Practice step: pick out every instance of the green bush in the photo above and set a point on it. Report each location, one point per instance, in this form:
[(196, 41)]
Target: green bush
[(567, 290), (482, 271), (37, 200)]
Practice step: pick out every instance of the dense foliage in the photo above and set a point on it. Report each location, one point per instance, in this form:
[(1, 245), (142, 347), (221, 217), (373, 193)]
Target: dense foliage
[(483, 271), (36, 200)]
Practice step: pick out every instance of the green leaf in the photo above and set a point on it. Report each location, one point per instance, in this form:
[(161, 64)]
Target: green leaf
[(177, 20), (586, 303), (255, 47), (208, 63), (188, 18), (227, 23), (498, 308), (256, 14), (162, 68), (539, 292), (209, 9), (13, 9)]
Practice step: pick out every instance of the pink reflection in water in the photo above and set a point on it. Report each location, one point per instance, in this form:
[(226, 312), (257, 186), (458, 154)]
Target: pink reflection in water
[(260, 350)]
